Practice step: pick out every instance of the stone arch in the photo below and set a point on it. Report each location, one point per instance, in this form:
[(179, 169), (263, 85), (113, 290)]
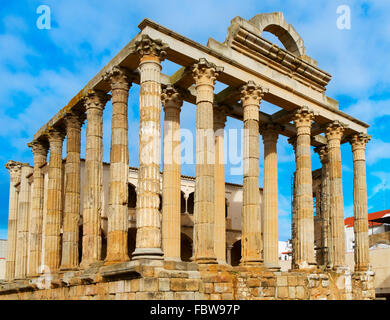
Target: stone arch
[(276, 24)]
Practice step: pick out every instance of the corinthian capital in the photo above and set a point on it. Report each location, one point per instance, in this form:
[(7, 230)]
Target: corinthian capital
[(96, 99), (359, 140), (55, 134), (40, 147), (119, 78), (205, 72), (334, 131), (74, 119), (219, 116), (14, 168), (270, 131), (303, 117), (322, 153), (149, 47), (252, 93), (172, 97)]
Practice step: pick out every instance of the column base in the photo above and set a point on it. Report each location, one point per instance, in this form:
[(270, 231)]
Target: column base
[(69, 268), (272, 266), (148, 253), (251, 262)]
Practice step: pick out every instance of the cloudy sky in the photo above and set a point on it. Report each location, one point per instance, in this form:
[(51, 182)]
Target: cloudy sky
[(41, 70)]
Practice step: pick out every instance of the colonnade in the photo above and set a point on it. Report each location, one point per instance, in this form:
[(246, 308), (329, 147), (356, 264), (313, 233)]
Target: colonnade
[(158, 233)]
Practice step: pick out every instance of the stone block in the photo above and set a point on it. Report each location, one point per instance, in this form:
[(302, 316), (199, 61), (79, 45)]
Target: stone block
[(281, 281), (184, 295), (150, 284), (178, 284), (223, 287), (163, 284), (192, 284), (208, 287), (282, 292), (291, 292), (292, 281), (215, 296), (253, 282)]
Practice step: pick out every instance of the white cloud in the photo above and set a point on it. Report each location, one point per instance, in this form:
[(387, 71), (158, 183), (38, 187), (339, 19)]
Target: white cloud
[(368, 110), (377, 150)]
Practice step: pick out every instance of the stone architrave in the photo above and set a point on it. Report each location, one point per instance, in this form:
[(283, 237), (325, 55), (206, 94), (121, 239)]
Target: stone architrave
[(358, 143), (39, 149), (70, 236), (94, 102), (118, 222), (15, 169), (148, 239), (172, 101), (205, 75), (251, 240), (334, 133), (304, 221)]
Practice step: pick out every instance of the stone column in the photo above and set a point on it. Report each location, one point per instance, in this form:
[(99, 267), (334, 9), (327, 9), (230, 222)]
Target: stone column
[(95, 102), (24, 206), (304, 251), (270, 197), (148, 241), (118, 221), (39, 149), (358, 143), (251, 242), (334, 133), (14, 169), (324, 206), (205, 74), (219, 179), (70, 236), (171, 219), (52, 227)]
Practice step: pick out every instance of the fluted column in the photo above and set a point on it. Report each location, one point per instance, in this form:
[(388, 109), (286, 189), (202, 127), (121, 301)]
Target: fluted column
[(118, 221), (94, 102), (324, 206), (14, 169), (52, 227), (148, 241), (304, 251), (24, 206), (70, 236), (251, 241), (358, 143), (171, 225), (270, 197), (205, 74), (334, 133), (219, 180), (39, 149)]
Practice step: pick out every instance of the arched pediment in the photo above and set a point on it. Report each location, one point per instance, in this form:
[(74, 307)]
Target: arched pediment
[(276, 24)]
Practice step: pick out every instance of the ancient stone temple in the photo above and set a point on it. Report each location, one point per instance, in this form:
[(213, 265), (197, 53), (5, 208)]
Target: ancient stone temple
[(84, 229)]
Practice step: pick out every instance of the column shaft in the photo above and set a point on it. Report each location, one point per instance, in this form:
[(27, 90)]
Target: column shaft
[(219, 178), (205, 75), (53, 219), (70, 237), (171, 217), (304, 251), (93, 183), (251, 240), (336, 210), (358, 142), (14, 169), (270, 198), (118, 221), (39, 149), (148, 241)]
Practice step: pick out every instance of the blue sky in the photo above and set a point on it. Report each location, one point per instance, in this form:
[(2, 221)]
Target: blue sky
[(41, 70)]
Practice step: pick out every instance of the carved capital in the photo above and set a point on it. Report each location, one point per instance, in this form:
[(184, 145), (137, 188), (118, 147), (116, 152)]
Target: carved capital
[(205, 73), (55, 134), (303, 117), (146, 46), (359, 141), (270, 132), (322, 153), (334, 131), (119, 78), (39, 147), (96, 99), (14, 168), (251, 94), (74, 120), (172, 97), (219, 116)]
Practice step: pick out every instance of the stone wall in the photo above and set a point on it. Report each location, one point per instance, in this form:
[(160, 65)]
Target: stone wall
[(158, 280)]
